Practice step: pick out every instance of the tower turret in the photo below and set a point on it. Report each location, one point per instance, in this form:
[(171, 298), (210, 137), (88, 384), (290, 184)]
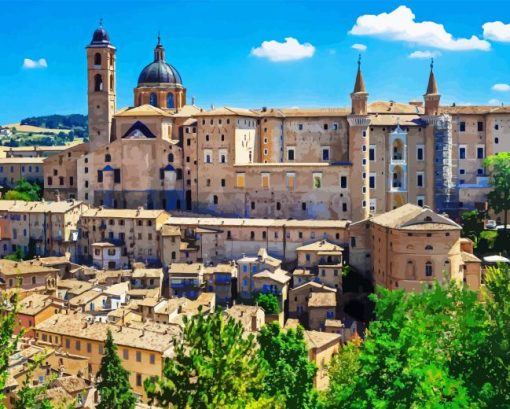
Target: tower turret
[(359, 96), (432, 96), (101, 87)]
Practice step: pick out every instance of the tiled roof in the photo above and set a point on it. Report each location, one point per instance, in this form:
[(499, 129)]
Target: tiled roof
[(75, 325), (14, 268), (469, 258), (279, 276), (320, 299), (142, 110), (318, 339), (276, 223), (18, 206), (123, 213), (321, 245)]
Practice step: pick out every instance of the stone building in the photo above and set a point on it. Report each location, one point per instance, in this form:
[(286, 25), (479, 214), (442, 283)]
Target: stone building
[(411, 247), (328, 163)]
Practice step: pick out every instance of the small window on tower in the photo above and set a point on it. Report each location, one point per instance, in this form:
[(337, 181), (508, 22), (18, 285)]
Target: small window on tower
[(98, 82), (97, 59)]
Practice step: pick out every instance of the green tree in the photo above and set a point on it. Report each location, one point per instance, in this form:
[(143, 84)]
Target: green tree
[(18, 255), (290, 372), (472, 225), (29, 396), (214, 365), (8, 342), (497, 304), (269, 303), (342, 371), (424, 350), (499, 197), (113, 386), (24, 190)]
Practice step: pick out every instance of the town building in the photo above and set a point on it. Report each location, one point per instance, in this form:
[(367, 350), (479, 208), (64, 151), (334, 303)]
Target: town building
[(14, 169), (328, 163), (28, 276), (412, 247)]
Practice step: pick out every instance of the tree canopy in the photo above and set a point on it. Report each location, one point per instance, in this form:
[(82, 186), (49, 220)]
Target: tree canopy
[(441, 348), (499, 196), (269, 303), (214, 365), (113, 386), (290, 373), (24, 190)]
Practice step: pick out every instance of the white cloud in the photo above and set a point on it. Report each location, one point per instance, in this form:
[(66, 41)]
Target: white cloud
[(359, 47), (29, 64), (501, 87), (290, 50), (424, 54), (497, 31), (494, 102), (400, 25)]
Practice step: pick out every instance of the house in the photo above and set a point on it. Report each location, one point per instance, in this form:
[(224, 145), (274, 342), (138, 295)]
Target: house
[(28, 275), (251, 318), (221, 279), (186, 280)]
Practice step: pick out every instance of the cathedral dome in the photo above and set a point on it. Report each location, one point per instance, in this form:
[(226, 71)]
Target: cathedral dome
[(100, 36), (159, 71)]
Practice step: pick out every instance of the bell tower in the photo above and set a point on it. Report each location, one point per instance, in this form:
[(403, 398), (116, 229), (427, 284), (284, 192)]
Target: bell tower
[(101, 87)]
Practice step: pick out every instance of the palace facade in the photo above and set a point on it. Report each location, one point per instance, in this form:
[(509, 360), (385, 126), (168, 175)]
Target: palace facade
[(327, 163)]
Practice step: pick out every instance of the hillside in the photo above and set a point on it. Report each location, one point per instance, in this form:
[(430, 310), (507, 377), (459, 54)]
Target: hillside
[(49, 130)]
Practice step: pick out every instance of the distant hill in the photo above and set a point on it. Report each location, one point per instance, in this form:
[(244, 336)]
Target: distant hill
[(49, 130), (57, 121)]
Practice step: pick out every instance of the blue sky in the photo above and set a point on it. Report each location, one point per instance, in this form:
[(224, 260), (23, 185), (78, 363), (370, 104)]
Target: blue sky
[(218, 48)]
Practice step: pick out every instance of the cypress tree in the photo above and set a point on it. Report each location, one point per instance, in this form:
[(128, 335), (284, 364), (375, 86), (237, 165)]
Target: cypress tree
[(113, 386)]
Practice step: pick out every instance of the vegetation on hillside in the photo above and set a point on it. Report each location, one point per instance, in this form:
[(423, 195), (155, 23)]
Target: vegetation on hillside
[(441, 348), (74, 127), (25, 191)]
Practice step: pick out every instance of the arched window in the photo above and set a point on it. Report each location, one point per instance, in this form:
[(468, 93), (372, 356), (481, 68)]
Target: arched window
[(173, 255), (170, 100), (107, 157), (153, 100), (170, 157), (429, 247), (428, 269), (111, 82), (428, 219), (98, 82), (97, 59), (215, 199)]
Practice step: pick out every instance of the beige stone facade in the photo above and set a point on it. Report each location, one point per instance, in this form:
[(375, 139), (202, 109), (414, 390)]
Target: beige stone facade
[(412, 247), (328, 163)]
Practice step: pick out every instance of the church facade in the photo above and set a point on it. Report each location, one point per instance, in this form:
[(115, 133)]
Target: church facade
[(327, 163)]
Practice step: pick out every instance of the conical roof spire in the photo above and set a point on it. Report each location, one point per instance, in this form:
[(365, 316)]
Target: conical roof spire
[(432, 85), (159, 51), (359, 86)]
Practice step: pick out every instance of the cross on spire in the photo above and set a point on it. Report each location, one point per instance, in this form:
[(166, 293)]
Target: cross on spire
[(359, 61), (101, 22), (432, 64), (159, 37)]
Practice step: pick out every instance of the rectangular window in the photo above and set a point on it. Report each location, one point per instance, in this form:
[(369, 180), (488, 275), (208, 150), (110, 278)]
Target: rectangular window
[(371, 180), (207, 156), (343, 182), (462, 127), (373, 205), (480, 152), (317, 180), (420, 200), (138, 356), (291, 179), (89, 347), (420, 179), (291, 153), (100, 176), (125, 354), (50, 181), (138, 379), (240, 180), (420, 152), (152, 359), (223, 156), (77, 345), (325, 153), (371, 153), (265, 180), (116, 176), (480, 126), (462, 152), (68, 343)]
